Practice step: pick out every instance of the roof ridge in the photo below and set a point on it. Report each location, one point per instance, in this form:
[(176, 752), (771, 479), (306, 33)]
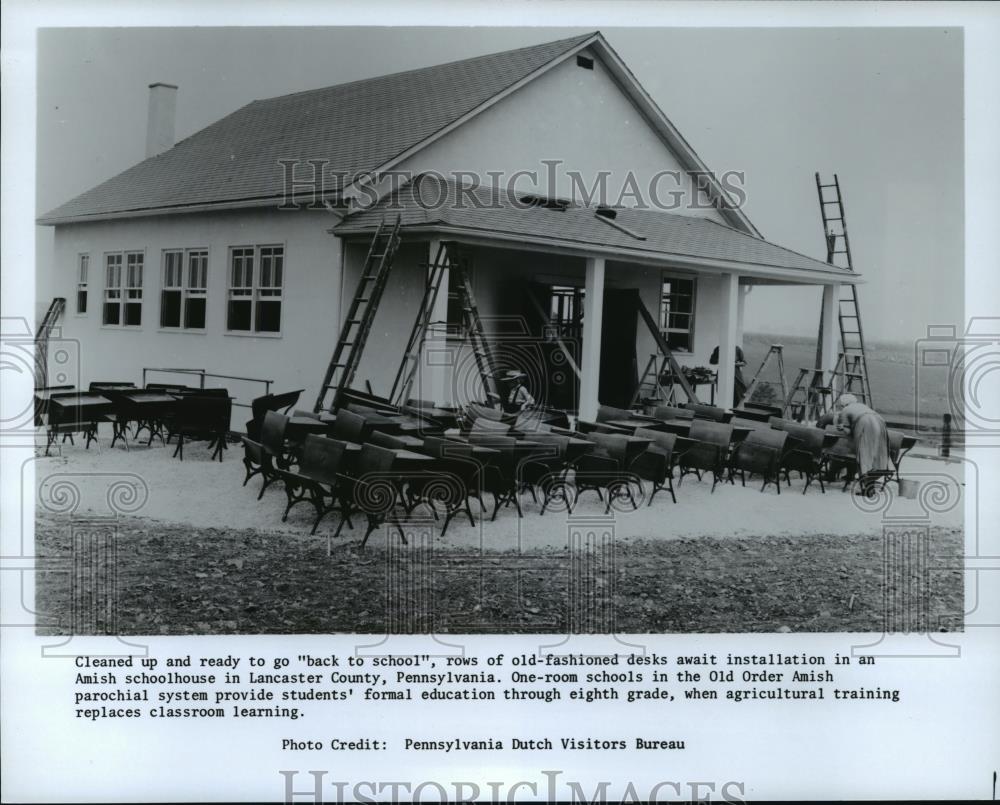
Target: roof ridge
[(574, 39)]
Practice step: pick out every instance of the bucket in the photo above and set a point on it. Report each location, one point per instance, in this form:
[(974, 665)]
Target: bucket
[(908, 488)]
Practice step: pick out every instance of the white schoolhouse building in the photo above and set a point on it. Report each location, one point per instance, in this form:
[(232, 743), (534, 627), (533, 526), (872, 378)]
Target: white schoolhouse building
[(235, 252)]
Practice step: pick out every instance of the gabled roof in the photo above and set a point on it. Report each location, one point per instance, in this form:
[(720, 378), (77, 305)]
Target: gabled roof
[(431, 205), (357, 128)]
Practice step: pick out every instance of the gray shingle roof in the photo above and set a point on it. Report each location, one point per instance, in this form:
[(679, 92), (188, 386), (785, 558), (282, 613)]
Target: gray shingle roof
[(355, 127), (430, 202)]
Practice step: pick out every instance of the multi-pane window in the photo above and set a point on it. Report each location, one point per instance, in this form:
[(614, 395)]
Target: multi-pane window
[(123, 289), (82, 284), (256, 280), (677, 312), (170, 296), (566, 311), (112, 289), (133, 288), (196, 289), (185, 287), (239, 314), (268, 313)]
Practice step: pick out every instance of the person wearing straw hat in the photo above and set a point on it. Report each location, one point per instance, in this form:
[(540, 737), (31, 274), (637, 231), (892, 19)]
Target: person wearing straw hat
[(869, 434), (517, 397)]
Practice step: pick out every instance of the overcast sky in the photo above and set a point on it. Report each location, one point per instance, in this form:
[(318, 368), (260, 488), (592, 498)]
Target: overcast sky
[(881, 107)]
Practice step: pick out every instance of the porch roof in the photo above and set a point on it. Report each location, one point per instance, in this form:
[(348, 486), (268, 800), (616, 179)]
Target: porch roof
[(434, 206)]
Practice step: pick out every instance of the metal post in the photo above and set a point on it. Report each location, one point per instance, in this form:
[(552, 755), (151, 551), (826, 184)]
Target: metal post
[(946, 436)]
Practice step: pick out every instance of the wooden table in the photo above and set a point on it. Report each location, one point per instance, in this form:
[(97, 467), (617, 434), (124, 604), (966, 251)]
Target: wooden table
[(144, 407), (90, 405), (82, 411)]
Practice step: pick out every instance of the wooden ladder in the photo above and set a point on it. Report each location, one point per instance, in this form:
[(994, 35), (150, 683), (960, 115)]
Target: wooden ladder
[(650, 387), (55, 310), (481, 350), (360, 315), (809, 398), (665, 351), (407, 371), (838, 253), (775, 350)]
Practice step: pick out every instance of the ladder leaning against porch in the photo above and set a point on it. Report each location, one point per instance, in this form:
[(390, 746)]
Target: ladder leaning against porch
[(408, 367), (55, 310), (486, 363), (360, 315), (852, 361), (447, 259)]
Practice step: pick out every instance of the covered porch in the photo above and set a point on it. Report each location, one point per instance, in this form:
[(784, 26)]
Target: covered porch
[(562, 294)]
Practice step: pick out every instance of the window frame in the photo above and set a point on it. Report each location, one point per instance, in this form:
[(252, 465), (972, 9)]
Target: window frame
[(83, 283), (122, 292), (133, 293), (184, 287), (112, 292), (664, 313), (565, 311), (256, 293)]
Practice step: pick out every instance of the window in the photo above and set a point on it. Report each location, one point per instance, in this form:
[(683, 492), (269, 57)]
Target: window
[(268, 314), (566, 311), (170, 296), (254, 303), (113, 289), (133, 288), (585, 62), (123, 289), (185, 288), (81, 284), (677, 312)]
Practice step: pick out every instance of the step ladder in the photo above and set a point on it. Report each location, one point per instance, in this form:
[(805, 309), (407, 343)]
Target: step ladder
[(55, 310), (811, 396), (407, 372), (838, 253), (650, 387), (486, 363), (360, 316), (774, 351), (668, 356)]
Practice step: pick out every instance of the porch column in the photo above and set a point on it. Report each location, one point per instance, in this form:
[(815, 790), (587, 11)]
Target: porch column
[(435, 366), (744, 293), (590, 360), (728, 327), (828, 346)]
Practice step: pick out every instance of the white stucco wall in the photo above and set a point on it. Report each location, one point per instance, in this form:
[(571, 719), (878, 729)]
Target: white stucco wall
[(294, 359), (577, 116)]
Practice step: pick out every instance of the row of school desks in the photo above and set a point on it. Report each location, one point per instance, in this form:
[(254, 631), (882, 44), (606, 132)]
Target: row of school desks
[(410, 428)]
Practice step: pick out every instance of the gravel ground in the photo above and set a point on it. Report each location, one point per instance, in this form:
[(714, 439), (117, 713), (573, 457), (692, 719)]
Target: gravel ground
[(174, 579)]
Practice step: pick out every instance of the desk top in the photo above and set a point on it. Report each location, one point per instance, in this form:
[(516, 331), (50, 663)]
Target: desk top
[(149, 397), (306, 421), (81, 399)]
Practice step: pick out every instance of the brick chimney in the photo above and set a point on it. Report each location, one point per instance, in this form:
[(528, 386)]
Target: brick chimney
[(160, 123)]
